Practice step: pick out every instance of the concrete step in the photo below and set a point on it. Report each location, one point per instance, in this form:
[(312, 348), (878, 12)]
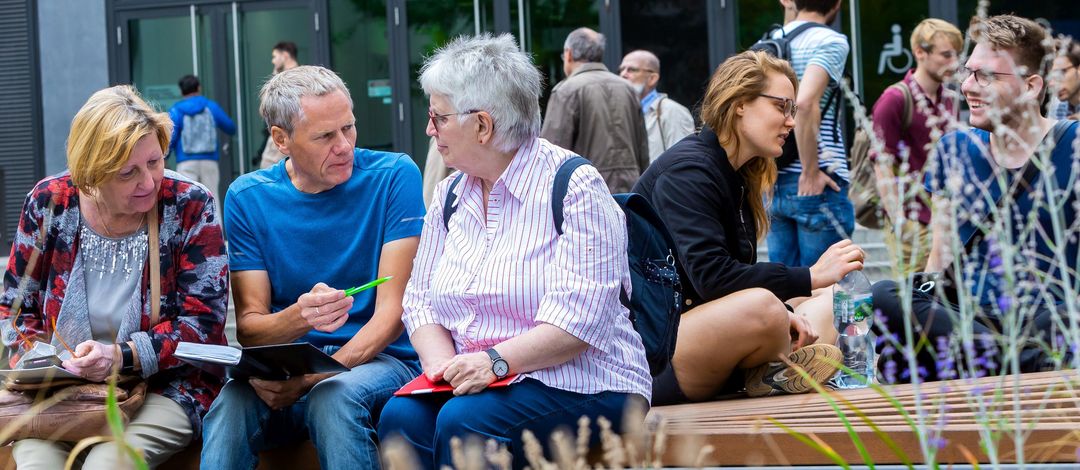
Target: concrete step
[(878, 262)]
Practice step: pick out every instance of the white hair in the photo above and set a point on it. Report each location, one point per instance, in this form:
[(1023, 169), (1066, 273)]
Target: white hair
[(486, 73), (279, 99)]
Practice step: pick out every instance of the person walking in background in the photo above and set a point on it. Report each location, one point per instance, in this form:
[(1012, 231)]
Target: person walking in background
[(906, 118), (1065, 80), (196, 120), (811, 210), (596, 114), (283, 57), (666, 121)]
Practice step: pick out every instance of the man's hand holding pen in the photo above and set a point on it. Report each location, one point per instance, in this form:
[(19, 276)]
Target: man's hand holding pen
[(324, 308)]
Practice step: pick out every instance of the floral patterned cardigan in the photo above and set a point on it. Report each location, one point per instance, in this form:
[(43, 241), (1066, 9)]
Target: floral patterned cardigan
[(194, 286)]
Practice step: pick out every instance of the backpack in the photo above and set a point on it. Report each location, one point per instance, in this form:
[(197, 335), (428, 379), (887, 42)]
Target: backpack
[(781, 48), (863, 191), (656, 303), (199, 134)]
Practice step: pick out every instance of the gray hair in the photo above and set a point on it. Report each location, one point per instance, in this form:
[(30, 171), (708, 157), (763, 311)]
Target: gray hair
[(279, 99), (585, 45), (651, 61), (486, 73)]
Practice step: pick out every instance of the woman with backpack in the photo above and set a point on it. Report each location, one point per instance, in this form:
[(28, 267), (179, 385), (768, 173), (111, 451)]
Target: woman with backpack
[(495, 290), (711, 189)]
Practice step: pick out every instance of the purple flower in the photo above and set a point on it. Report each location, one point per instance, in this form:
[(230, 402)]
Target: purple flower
[(938, 442), (1005, 303), (890, 371)]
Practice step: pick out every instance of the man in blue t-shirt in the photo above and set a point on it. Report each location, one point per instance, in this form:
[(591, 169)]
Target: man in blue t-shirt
[(810, 210), (993, 216), (330, 217)]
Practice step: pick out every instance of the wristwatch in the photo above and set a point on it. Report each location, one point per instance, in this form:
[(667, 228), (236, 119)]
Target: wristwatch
[(499, 367)]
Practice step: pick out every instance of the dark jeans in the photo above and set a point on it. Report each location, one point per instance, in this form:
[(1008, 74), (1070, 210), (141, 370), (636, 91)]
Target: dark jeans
[(936, 319), (803, 227), (428, 422)]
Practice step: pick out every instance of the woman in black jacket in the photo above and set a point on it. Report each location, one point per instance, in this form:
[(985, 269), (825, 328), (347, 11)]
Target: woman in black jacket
[(711, 190)]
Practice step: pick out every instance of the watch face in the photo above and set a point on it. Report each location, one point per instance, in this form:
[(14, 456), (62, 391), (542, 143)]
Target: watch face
[(500, 368)]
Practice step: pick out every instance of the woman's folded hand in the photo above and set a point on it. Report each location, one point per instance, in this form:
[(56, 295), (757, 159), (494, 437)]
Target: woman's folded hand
[(469, 373)]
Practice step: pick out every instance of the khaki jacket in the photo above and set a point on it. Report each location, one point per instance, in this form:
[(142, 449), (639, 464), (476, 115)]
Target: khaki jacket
[(596, 114), (666, 122)]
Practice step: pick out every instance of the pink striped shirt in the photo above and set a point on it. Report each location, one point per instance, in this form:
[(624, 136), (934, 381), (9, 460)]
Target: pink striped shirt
[(496, 275)]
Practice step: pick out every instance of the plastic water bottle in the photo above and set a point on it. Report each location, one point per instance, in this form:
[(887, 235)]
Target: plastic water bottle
[(853, 314)]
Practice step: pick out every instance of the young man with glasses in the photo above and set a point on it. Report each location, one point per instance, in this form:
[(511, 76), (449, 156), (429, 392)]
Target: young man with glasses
[(905, 118), (666, 121), (1065, 80), (991, 190)]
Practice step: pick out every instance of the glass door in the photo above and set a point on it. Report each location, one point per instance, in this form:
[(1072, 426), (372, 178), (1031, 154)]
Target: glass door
[(251, 31), (360, 54), (163, 45), (228, 46)]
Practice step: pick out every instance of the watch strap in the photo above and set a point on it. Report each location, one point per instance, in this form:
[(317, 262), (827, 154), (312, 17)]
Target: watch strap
[(127, 364)]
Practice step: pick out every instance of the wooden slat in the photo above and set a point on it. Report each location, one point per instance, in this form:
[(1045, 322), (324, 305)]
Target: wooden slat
[(739, 429)]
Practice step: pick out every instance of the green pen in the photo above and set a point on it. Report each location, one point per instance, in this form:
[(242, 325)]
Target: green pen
[(357, 290)]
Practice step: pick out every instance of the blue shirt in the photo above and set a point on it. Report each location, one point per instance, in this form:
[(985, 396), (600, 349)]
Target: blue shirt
[(191, 106), (335, 236), (964, 172), (648, 100)]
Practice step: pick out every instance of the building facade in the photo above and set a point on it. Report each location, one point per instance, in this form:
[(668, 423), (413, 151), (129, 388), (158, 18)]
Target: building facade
[(64, 50)]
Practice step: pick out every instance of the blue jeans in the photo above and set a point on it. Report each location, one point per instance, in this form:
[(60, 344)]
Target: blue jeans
[(428, 422), (801, 228), (338, 415)]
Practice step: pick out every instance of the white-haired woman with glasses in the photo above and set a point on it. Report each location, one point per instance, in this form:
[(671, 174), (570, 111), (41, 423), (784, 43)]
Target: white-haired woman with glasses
[(496, 291)]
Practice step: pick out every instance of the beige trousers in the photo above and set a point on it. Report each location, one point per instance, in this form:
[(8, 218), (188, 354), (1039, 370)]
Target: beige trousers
[(913, 248), (160, 429), (205, 172)]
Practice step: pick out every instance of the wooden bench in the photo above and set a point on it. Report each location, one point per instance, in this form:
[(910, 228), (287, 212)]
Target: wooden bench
[(742, 434), (293, 457)]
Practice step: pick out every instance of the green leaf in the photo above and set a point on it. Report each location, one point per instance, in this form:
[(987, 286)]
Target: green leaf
[(823, 450)]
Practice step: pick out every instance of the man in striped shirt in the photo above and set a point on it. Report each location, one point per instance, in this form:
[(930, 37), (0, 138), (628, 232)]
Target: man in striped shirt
[(810, 209)]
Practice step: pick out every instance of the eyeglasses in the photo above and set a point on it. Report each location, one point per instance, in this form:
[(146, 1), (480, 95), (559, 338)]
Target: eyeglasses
[(789, 109), (627, 68), (1061, 70), (983, 77), (440, 119)]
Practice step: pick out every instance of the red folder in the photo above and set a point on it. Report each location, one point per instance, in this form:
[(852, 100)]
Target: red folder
[(423, 385)]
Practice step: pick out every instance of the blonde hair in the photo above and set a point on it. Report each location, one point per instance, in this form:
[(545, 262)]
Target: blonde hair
[(106, 129), (922, 37), (1023, 38), (739, 79)]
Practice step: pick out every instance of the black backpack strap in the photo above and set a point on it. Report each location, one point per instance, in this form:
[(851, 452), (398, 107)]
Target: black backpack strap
[(800, 29), (449, 207), (561, 185)]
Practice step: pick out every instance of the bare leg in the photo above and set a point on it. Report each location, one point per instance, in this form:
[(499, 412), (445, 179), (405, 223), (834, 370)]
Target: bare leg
[(741, 330), (819, 310)]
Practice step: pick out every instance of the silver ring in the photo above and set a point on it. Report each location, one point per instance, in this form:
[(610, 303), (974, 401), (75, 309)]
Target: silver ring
[(317, 312)]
